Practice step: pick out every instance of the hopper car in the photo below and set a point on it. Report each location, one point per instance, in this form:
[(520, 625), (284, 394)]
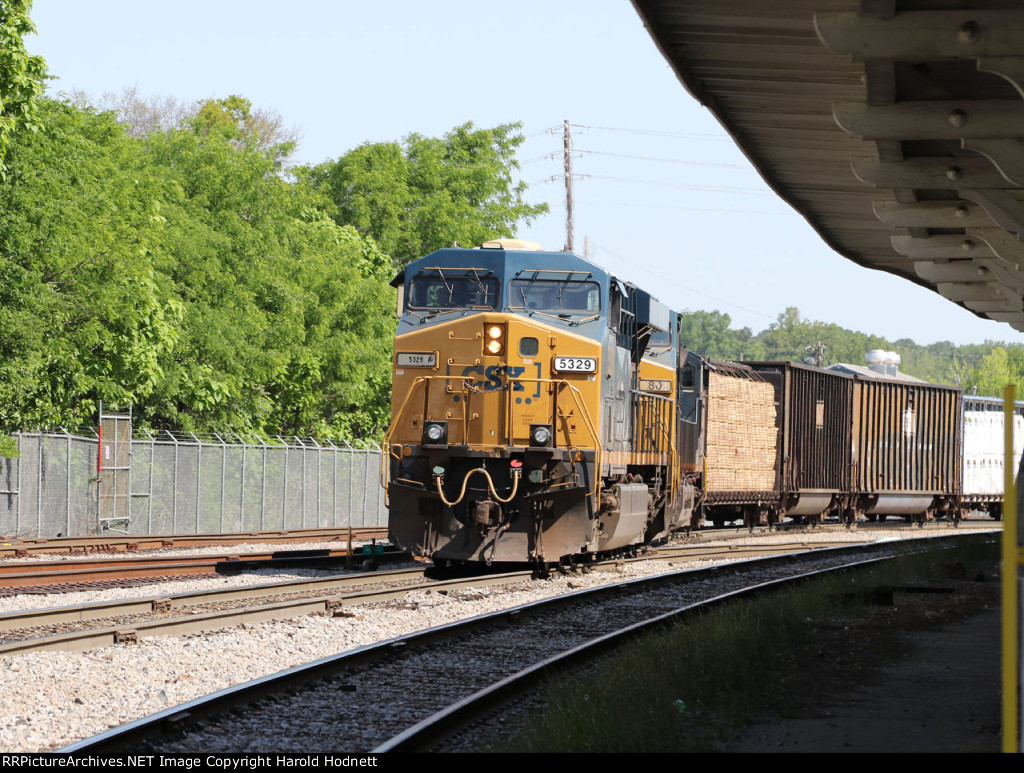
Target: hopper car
[(545, 411)]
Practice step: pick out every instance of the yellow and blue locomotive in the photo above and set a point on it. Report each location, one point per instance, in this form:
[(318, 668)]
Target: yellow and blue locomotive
[(534, 414)]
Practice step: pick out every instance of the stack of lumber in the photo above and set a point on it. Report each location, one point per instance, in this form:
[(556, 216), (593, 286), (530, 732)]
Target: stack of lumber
[(742, 437)]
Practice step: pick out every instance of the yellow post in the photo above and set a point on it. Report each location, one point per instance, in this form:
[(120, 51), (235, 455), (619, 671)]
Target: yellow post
[(1009, 572)]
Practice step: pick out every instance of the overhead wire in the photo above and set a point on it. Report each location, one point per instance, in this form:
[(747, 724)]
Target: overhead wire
[(659, 160), (683, 186), (670, 280), (654, 133)]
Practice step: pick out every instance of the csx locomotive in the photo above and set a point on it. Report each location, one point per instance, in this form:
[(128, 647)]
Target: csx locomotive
[(545, 411)]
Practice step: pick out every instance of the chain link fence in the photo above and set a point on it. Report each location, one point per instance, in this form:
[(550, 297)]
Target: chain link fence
[(175, 484)]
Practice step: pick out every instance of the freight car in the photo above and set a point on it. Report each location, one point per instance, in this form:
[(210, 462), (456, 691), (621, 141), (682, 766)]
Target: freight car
[(545, 411), (983, 452)]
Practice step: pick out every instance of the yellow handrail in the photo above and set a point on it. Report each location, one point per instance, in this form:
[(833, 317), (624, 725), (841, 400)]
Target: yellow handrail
[(573, 391)]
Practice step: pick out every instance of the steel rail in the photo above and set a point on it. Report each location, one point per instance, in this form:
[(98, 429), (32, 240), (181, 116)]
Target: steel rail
[(173, 719), (78, 641), (130, 543), (87, 570), (12, 621), (431, 731)]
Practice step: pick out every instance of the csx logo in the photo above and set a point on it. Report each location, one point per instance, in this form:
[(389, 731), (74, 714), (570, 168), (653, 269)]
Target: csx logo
[(496, 376)]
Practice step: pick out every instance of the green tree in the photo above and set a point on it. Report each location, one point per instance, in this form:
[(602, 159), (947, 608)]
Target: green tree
[(83, 313), (21, 75), (181, 272), (709, 333), (288, 316), (987, 367), (427, 193), (1002, 366)]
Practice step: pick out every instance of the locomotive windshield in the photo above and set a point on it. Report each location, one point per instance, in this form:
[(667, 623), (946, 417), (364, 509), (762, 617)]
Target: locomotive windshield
[(566, 295), (441, 291)]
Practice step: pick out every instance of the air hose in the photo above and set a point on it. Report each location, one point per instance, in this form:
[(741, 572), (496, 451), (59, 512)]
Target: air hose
[(516, 473)]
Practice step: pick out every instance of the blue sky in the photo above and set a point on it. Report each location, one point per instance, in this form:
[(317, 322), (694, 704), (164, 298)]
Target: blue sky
[(663, 197)]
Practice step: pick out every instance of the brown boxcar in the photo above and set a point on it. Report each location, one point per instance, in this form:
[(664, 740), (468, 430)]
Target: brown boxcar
[(816, 423), (906, 449)]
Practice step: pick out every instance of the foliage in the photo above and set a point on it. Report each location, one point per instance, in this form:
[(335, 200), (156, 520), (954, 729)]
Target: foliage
[(84, 316), (987, 367), (21, 75), (1002, 366), (142, 116), (427, 193), (710, 333), (183, 274)]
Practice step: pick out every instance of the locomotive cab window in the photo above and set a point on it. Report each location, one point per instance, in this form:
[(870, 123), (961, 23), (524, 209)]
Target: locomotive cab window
[(572, 295), (447, 292), (687, 378), (688, 396)]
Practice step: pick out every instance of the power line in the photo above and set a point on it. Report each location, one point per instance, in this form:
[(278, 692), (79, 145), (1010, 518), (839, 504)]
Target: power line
[(665, 160), (549, 130), (672, 281), (683, 186), (656, 133), (657, 184), (637, 205)]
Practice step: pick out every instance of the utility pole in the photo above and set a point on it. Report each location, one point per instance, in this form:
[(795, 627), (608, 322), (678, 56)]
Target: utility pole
[(567, 152), (818, 350)]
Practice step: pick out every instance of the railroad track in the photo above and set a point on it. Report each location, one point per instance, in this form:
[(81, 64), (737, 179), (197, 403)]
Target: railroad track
[(57, 576), (114, 543), (406, 692), (86, 626), (895, 523)]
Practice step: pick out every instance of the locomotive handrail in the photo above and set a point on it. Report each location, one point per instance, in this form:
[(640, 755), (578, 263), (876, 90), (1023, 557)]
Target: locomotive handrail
[(385, 464), (665, 405), (581, 405), (385, 470)]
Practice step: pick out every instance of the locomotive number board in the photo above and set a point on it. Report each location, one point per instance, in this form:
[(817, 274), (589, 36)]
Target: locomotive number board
[(416, 359), (575, 364)]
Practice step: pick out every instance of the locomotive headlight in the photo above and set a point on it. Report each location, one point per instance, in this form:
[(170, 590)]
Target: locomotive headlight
[(494, 339), (435, 432), (540, 435)]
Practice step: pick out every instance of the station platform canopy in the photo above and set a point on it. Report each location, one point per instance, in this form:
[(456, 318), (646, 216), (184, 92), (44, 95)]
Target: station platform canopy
[(894, 127)]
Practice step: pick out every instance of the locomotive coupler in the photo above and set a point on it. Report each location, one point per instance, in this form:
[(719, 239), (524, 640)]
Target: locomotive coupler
[(484, 510)]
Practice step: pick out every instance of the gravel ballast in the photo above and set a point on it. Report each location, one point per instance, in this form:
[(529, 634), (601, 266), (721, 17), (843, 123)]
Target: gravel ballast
[(54, 698)]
